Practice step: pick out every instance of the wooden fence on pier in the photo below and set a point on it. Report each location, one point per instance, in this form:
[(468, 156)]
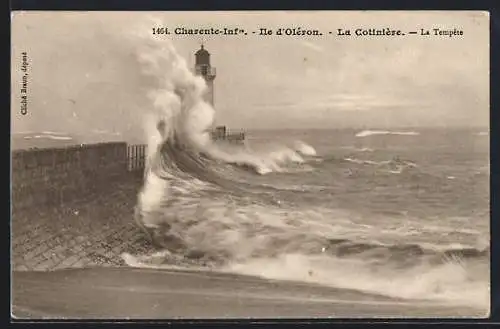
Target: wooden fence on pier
[(136, 155)]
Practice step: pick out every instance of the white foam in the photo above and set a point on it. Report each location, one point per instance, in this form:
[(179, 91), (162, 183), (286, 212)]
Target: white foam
[(304, 148), (48, 137), (448, 282), (47, 132), (348, 159), (366, 133)]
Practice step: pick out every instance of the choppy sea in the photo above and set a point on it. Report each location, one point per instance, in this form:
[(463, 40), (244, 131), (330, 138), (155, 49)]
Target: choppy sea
[(399, 213)]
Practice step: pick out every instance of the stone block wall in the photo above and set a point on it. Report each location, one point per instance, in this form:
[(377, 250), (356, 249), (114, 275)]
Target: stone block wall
[(58, 175)]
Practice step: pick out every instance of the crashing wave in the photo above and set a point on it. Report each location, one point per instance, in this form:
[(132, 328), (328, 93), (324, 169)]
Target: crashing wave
[(180, 147), (448, 282)]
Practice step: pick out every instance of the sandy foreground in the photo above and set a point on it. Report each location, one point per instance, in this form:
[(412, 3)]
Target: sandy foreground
[(128, 293)]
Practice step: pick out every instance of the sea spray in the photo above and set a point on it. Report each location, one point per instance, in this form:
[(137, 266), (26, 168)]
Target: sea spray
[(178, 103), (177, 130)]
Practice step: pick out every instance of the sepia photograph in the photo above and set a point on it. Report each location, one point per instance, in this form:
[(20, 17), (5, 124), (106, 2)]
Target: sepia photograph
[(250, 165)]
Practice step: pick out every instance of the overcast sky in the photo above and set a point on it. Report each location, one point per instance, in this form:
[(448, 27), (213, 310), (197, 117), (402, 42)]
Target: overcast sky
[(84, 76)]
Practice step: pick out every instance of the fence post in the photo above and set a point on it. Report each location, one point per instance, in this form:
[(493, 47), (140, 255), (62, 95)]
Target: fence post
[(128, 158), (143, 153), (135, 156)]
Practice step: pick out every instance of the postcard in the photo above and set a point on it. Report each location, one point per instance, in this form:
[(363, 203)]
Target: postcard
[(250, 164)]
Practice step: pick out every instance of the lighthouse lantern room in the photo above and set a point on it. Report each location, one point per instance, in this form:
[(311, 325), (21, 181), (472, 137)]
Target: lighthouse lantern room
[(203, 68)]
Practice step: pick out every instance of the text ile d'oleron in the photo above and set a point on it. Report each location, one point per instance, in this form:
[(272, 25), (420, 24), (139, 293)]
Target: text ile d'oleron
[(301, 31)]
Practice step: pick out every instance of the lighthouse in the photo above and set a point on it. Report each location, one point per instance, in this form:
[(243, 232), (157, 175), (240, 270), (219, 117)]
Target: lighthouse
[(203, 68)]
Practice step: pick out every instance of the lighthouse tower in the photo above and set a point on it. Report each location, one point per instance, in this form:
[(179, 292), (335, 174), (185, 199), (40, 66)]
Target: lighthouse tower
[(202, 67)]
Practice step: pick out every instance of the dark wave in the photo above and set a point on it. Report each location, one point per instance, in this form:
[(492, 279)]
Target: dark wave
[(401, 252), (181, 161)]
